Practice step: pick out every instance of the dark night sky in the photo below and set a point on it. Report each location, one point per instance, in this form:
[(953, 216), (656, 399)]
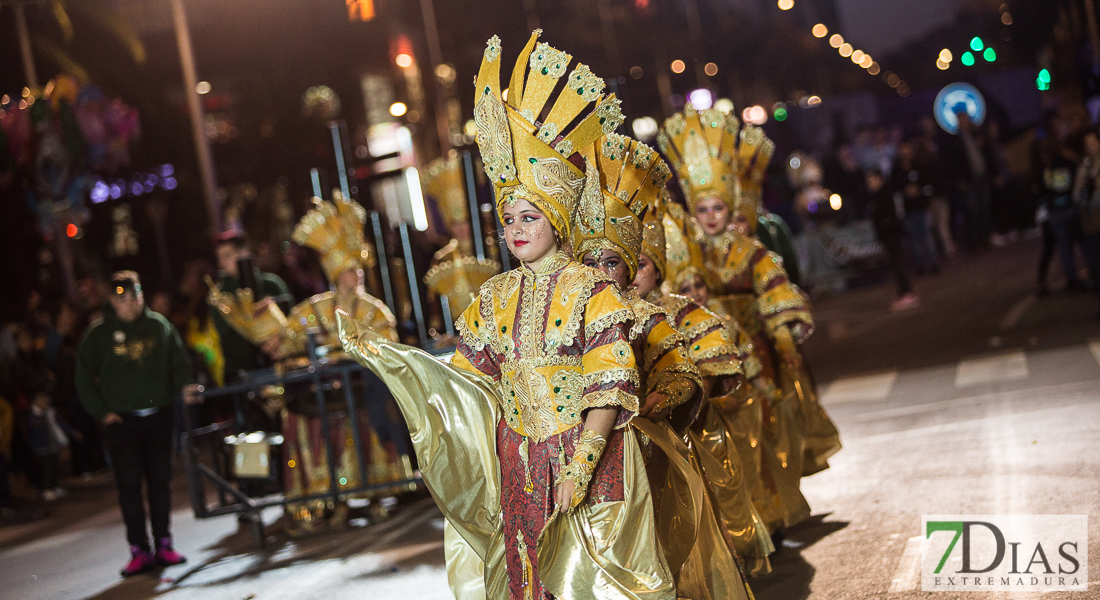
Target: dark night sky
[(883, 26)]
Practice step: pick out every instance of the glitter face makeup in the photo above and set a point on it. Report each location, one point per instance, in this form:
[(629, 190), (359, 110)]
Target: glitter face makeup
[(528, 233), (611, 263)]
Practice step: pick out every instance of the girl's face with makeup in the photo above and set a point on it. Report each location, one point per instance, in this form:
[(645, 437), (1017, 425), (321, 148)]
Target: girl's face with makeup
[(696, 289), (713, 215), (611, 263), (646, 279), (528, 232)]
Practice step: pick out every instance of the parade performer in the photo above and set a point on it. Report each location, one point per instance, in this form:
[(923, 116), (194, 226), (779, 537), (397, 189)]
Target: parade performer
[(455, 272), (335, 230), (820, 437), (726, 432), (521, 440), (607, 235), (241, 354), (751, 285)]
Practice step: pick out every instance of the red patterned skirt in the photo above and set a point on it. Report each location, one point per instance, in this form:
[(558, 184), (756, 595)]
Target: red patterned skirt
[(527, 495)]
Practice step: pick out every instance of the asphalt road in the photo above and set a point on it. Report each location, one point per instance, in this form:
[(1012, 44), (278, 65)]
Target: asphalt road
[(983, 401)]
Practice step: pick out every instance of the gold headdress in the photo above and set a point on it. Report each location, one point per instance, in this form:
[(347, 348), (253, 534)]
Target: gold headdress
[(653, 234), (702, 145), (683, 249), (627, 178), (257, 324), (459, 280), (445, 184), (527, 160), (753, 155), (335, 230)]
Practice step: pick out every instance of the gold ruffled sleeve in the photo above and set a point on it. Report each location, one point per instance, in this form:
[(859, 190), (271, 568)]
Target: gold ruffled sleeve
[(780, 302), (608, 364), (665, 361), (452, 417), (474, 353)]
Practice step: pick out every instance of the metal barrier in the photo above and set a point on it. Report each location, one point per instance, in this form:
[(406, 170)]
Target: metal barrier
[(322, 380)]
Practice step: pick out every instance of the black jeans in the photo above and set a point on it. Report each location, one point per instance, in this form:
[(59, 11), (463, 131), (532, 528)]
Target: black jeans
[(141, 449)]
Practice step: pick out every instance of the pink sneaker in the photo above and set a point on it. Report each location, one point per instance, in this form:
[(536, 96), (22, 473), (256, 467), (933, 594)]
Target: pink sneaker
[(166, 556), (141, 560)]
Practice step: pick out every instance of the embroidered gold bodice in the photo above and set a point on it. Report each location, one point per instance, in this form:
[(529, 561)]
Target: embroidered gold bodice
[(556, 341)]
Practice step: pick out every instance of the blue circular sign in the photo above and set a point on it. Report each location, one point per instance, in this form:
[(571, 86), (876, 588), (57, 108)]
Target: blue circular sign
[(958, 98)]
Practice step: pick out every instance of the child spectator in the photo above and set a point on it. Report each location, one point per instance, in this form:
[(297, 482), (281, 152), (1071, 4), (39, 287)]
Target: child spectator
[(48, 435)]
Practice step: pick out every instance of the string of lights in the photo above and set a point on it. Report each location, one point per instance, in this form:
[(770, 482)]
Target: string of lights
[(860, 58)]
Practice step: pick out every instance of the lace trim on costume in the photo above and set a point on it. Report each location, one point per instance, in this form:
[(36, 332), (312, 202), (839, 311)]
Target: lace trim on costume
[(698, 330), (537, 362), (661, 348), (719, 368), (612, 397), (592, 328), (730, 351)]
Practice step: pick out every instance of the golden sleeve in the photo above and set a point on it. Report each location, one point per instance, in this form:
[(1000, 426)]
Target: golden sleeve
[(474, 353), (779, 302), (607, 363), (668, 367)]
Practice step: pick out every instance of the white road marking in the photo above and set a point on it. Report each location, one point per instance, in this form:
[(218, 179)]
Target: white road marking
[(1009, 366), (1014, 314), (907, 576), (1094, 347), (1061, 390), (860, 389)]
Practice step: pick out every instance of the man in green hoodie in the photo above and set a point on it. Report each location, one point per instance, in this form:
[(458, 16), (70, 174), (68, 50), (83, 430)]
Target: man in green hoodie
[(130, 367)]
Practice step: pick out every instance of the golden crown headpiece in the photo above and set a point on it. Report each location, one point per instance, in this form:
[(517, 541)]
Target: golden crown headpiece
[(257, 322), (653, 234), (702, 147), (753, 155), (528, 158), (683, 249), (444, 182), (335, 230), (460, 280), (624, 179)]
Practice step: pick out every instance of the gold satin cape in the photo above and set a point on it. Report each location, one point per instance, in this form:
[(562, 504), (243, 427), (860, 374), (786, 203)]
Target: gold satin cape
[(606, 552)]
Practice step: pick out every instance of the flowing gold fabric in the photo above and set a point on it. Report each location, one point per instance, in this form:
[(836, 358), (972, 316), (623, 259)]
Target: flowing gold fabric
[(607, 551), (822, 440), (700, 559), (716, 442)]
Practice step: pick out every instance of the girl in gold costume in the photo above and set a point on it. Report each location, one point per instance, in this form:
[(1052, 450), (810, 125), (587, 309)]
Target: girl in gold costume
[(607, 235), (521, 439), (715, 164), (726, 433)]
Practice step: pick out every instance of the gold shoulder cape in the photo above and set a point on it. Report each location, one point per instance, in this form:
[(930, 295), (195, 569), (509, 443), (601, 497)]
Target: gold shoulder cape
[(602, 552)]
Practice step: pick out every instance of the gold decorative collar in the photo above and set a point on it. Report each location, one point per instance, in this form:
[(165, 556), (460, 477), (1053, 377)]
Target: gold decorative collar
[(550, 264)]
